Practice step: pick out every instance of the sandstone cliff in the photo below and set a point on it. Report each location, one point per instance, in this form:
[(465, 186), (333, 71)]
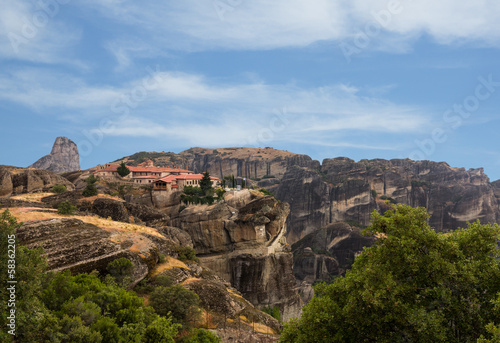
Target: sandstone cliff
[(242, 240), (63, 158), (344, 190), (250, 163)]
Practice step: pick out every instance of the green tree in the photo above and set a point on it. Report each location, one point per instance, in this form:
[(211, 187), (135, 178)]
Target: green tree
[(220, 194), (123, 170), (413, 285), (206, 184), (90, 190), (200, 336), (162, 330), (177, 301)]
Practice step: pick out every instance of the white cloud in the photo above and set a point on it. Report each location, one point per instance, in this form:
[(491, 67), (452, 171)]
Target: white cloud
[(259, 24), (35, 33), (199, 111)]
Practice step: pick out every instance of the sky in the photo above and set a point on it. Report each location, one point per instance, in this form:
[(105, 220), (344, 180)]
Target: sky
[(327, 78)]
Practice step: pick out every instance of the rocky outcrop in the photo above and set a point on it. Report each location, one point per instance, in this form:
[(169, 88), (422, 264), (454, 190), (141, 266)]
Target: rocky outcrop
[(245, 245), (79, 246), (250, 163), (63, 158), (6, 186), (344, 190), (327, 252), (15, 180), (71, 244)]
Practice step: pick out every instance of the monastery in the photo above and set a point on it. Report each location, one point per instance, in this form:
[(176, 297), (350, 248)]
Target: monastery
[(162, 178)]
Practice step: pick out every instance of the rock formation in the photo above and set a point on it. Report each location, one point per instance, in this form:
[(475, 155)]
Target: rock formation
[(15, 180), (63, 158), (245, 245), (87, 244), (349, 191)]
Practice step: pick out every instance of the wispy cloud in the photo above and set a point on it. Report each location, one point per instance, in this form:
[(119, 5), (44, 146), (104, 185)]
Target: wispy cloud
[(200, 111), (36, 32), (193, 25)]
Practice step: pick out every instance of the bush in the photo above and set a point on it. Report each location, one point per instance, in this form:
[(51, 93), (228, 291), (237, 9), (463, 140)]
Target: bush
[(59, 189), (187, 253), (91, 189), (120, 269), (220, 194), (265, 191), (65, 207), (273, 312), (374, 193), (176, 301), (200, 336)]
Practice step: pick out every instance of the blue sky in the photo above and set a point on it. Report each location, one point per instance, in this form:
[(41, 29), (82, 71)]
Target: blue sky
[(327, 78)]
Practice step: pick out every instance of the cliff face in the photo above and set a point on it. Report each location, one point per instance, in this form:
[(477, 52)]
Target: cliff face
[(349, 191), (63, 158), (341, 189), (242, 240), (245, 162)]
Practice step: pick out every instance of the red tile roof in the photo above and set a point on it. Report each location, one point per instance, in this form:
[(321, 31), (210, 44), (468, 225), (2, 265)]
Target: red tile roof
[(193, 177)]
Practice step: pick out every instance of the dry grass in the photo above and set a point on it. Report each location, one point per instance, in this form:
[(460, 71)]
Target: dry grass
[(189, 280), (24, 214), (169, 264), (98, 196), (33, 197), (257, 327)]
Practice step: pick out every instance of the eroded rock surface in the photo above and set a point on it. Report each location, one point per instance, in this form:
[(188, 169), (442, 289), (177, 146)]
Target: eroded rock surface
[(15, 180), (63, 158), (71, 244), (246, 247), (349, 191)]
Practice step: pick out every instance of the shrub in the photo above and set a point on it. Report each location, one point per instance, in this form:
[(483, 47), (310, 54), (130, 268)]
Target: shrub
[(273, 312), (65, 207), (59, 188), (177, 301), (91, 189), (265, 191), (374, 193), (187, 253), (200, 336), (120, 269), (220, 193)]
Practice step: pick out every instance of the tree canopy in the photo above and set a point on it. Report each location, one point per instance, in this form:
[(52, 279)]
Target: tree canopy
[(413, 285), (206, 184), (123, 170)]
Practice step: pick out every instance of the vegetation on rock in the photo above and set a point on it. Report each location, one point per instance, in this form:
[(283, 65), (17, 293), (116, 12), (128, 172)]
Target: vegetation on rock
[(59, 188), (90, 190), (65, 207), (413, 285)]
